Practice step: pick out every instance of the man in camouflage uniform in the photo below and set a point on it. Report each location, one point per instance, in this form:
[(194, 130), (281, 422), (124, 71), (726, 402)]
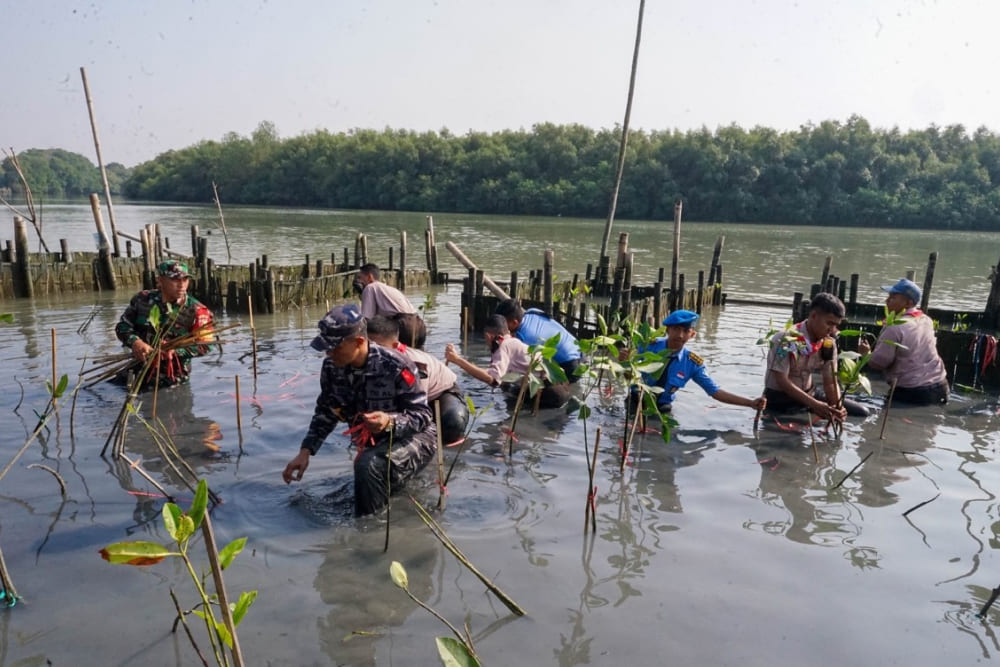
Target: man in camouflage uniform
[(374, 390), (179, 315)]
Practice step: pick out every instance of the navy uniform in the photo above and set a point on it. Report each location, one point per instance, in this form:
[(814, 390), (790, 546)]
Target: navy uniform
[(682, 366), (387, 382)]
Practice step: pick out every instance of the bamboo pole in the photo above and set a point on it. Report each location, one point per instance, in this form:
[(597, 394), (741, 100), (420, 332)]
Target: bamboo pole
[(239, 415), (253, 335), (54, 376), (624, 140), (467, 263), (105, 267), (675, 298), (442, 490), (100, 160), (220, 588)]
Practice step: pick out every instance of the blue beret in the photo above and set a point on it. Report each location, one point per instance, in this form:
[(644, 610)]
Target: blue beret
[(683, 318), (907, 288)]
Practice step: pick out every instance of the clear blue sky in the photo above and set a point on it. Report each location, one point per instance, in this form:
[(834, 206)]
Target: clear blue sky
[(168, 74)]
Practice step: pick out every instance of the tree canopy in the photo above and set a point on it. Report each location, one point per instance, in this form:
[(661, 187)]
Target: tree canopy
[(60, 174), (833, 173)]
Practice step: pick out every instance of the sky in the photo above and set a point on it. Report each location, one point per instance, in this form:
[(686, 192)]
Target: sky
[(167, 74)]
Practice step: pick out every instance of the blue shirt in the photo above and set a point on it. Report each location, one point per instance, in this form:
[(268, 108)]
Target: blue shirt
[(681, 367), (537, 327)]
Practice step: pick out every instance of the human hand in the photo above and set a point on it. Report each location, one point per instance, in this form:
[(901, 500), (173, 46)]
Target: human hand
[(450, 354), (864, 347), (377, 421), (141, 350), (296, 468), (830, 412), (759, 403)]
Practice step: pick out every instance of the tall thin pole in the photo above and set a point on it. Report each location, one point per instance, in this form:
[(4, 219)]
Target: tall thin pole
[(624, 140), (100, 162)]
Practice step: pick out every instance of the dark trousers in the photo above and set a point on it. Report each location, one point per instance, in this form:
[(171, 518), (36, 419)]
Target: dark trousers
[(932, 394), (454, 415), (371, 491), (778, 401)]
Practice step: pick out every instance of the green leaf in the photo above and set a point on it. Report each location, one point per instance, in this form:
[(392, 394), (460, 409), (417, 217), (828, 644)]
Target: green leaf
[(171, 519), (7, 317), (230, 551), (154, 317), (602, 326), (135, 553), (185, 529), (220, 627), (454, 653), (200, 502), (865, 384), (604, 341), (584, 411), (242, 605), (63, 381), (470, 405), (398, 574)]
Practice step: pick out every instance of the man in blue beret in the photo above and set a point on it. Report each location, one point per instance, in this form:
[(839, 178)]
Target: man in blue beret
[(682, 365), (375, 390), (907, 349)]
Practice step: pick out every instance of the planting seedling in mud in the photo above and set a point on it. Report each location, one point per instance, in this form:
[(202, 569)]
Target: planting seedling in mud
[(535, 327), (169, 323), (681, 366), (907, 349), (796, 353), (376, 392), (511, 359)]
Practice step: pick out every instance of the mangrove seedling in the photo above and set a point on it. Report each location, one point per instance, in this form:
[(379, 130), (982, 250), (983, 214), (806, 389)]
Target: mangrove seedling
[(460, 653), (542, 369), (181, 527)]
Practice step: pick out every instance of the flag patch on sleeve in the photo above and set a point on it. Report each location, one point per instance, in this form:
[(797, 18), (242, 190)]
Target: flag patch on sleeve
[(408, 377)]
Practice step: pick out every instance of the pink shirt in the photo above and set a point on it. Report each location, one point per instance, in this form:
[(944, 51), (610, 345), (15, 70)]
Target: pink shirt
[(439, 378), (918, 364), (511, 356)]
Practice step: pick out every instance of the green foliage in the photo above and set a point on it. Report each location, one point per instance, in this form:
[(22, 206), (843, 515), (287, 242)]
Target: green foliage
[(60, 387), (59, 173), (844, 173), (7, 317), (182, 526), (849, 367)]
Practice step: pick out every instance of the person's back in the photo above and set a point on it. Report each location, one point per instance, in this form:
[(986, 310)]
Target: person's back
[(534, 327)]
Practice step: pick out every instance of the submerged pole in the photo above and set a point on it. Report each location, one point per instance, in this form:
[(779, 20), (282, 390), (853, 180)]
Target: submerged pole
[(678, 207)]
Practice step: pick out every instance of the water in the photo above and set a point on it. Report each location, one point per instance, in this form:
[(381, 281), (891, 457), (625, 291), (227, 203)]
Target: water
[(724, 547)]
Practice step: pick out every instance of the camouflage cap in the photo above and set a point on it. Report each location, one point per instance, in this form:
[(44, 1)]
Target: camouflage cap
[(341, 322), (173, 269)]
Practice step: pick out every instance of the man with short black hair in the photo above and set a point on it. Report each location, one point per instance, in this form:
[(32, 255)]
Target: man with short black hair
[(177, 315), (377, 298), (534, 327), (907, 349), (376, 391), (797, 352)]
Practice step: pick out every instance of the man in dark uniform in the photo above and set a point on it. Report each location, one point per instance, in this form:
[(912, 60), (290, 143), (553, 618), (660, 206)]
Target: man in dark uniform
[(172, 311), (375, 390)]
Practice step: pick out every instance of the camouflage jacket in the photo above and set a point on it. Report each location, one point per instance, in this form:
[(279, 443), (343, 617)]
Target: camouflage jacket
[(177, 320), (387, 382)]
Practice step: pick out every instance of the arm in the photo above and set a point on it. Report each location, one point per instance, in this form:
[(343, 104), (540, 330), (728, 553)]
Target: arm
[(724, 396), (792, 391), (475, 371), (884, 354)]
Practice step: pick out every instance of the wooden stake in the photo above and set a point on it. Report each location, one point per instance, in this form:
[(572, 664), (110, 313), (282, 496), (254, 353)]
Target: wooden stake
[(54, 378), (442, 490), (239, 416), (885, 412), (253, 336), (100, 161)]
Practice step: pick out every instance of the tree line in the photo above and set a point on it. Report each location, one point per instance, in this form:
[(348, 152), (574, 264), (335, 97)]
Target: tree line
[(58, 174), (833, 173)]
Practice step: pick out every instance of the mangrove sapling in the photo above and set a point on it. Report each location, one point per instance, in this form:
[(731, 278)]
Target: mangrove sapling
[(452, 653), (182, 526)]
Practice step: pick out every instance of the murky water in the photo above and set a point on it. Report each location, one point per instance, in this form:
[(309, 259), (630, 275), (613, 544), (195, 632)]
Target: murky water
[(724, 547)]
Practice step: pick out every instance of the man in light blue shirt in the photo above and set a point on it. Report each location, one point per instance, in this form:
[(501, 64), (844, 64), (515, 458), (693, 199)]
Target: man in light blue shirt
[(534, 327)]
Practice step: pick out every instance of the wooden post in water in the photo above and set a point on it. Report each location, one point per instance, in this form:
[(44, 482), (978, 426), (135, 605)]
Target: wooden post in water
[(827, 265), (392, 249), (194, 240), (991, 315), (928, 280), (100, 160), (678, 206), (853, 297), (148, 280), (105, 269), (467, 263), (716, 254), (402, 260), (701, 289), (549, 260), (512, 288), (627, 279), (65, 254), (364, 248), (911, 274), (717, 295), (23, 286)]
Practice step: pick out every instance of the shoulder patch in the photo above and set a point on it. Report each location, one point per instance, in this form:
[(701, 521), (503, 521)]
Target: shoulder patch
[(408, 377), (696, 359)]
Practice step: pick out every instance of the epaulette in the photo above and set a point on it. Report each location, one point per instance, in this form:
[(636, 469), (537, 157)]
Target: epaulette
[(696, 359)]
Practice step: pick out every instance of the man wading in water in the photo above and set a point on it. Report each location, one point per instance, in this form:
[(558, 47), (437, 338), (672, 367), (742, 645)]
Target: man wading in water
[(376, 391)]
